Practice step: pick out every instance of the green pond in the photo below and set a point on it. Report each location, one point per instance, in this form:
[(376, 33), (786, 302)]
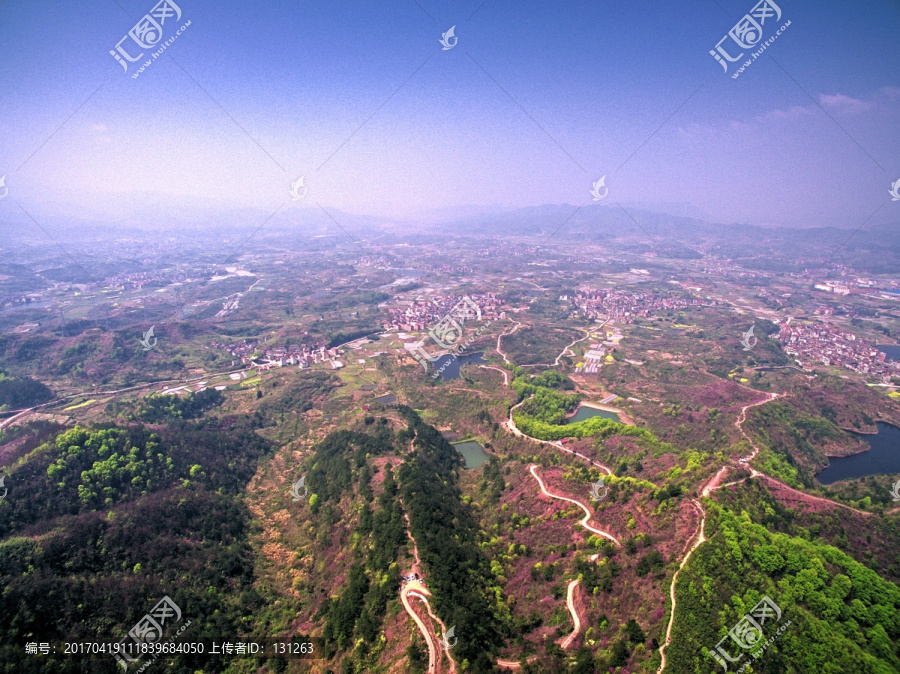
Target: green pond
[(473, 453), (584, 412)]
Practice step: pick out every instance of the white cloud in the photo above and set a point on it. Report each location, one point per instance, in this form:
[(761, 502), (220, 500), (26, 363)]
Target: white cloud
[(845, 105)]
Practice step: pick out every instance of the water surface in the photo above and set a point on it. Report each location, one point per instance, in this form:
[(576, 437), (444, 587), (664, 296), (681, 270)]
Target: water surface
[(451, 371), (892, 351), (584, 412), (473, 453), (882, 459)]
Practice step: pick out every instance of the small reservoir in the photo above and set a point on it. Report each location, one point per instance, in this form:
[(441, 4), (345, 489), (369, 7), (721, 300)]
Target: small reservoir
[(584, 412), (473, 453), (451, 365), (883, 458)]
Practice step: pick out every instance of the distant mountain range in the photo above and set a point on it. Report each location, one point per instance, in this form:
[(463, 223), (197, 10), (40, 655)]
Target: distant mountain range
[(637, 228)]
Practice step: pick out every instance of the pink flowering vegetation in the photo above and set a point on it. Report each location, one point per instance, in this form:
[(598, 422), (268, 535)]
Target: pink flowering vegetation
[(533, 542), (540, 548), (655, 529)]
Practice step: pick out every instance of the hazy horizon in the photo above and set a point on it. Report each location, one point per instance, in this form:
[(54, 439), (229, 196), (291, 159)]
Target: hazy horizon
[(530, 107)]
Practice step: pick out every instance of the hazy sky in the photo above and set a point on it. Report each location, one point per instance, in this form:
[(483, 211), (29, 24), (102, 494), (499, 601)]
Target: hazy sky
[(295, 80)]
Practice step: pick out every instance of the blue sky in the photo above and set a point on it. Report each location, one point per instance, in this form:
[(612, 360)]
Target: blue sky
[(535, 102)]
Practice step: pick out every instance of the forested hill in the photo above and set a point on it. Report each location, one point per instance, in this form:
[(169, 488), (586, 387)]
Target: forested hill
[(459, 573), (103, 522), (843, 616)]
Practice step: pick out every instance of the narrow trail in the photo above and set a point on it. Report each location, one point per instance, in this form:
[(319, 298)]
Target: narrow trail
[(506, 334), (410, 590), (497, 369), (709, 487), (563, 352), (510, 425), (587, 513), (443, 631), (587, 334), (801, 496), (742, 417), (566, 641), (701, 538), (576, 619), (417, 589), (715, 484)]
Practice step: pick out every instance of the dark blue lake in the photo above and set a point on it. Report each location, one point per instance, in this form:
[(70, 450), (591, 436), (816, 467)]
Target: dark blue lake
[(892, 351), (882, 459), (451, 371)]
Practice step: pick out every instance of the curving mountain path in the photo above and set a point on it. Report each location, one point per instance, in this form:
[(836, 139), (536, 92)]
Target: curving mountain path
[(716, 483), (497, 369), (506, 334), (412, 589), (416, 589), (713, 484), (587, 513), (510, 425), (701, 538), (566, 641), (576, 619)]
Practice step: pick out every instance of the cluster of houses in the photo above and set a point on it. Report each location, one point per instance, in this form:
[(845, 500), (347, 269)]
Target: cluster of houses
[(822, 343), (422, 314), (624, 307), (248, 353), (137, 280)]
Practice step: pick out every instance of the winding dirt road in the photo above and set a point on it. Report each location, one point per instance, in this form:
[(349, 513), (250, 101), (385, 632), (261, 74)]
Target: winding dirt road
[(742, 417), (576, 619), (587, 334), (715, 484), (510, 425), (506, 334), (587, 513), (566, 641), (416, 589), (701, 538), (500, 370)]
